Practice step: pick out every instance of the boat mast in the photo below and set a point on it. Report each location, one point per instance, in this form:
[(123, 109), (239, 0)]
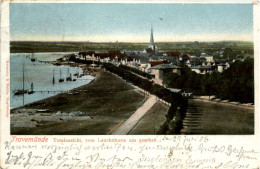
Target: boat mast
[(23, 84), (23, 76), (31, 86)]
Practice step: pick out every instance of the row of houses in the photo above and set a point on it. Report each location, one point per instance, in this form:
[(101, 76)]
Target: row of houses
[(157, 68)]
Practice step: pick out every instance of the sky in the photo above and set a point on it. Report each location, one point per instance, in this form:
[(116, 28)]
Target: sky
[(130, 22)]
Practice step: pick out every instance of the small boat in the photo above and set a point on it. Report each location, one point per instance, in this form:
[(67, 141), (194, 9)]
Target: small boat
[(69, 78), (31, 91), (69, 75), (61, 79), (53, 79), (33, 59), (21, 91), (76, 74)]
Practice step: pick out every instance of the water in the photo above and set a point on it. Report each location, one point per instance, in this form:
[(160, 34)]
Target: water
[(41, 75)]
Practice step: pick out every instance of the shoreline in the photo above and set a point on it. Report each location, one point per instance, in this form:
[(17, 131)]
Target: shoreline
[(74, 89), (59, 94), (99, 108)]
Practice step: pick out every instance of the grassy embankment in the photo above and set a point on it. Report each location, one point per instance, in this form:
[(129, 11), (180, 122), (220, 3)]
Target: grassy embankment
[(221, 119), (177, 110), (109, 100), (152, 120)]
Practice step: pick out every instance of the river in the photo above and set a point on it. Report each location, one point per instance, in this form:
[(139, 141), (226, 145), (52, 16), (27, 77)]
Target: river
[(41, 75)]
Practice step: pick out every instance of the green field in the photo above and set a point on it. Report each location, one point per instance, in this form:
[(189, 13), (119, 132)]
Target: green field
[(187, 47), (29, 47)]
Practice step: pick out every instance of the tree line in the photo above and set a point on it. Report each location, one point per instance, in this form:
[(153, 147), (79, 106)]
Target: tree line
[(234, 84), (139, 72)]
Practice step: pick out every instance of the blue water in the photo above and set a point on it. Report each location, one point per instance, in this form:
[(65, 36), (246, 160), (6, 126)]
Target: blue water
[(41, 75)]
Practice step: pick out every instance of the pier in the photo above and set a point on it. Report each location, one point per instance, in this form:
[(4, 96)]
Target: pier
[(52, 91)]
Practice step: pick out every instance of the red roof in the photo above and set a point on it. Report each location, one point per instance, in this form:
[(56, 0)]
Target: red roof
[(171, 53), (155, 63)]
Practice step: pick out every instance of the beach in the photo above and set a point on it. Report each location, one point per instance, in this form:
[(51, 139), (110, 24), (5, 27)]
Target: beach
[(104, 103)]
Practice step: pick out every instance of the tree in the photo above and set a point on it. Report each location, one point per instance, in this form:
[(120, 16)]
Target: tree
[(229, 54)]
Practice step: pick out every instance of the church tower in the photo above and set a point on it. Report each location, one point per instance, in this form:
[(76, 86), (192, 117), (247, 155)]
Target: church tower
[(151, 38), (152, 48), (152, 44)]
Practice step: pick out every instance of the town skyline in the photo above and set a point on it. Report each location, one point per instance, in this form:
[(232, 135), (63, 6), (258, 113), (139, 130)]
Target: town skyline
[(131, 23)]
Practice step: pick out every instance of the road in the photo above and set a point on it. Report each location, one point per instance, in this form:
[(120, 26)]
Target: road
[(129, 124)]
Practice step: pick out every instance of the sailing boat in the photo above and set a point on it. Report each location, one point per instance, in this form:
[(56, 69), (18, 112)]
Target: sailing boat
[(81, 74), (61, 79), (31, 90), (69, 75), (53, 80), (77, 73), (22, 91), (33, 58)]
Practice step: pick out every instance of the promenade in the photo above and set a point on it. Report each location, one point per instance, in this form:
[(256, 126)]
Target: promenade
[(129, 124)]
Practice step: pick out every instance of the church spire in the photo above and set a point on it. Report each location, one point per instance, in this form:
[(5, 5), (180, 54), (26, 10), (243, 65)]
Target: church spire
[(152, 49), (151, 38)]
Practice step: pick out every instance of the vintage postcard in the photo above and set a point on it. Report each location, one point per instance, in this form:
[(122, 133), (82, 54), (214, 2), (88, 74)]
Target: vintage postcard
[(136, 84)]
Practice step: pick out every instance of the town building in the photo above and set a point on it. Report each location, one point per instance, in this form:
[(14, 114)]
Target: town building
[(209, 58), (221, 67), (159, 71), (203, 69)]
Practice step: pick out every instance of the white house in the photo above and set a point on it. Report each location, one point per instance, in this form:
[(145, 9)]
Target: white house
[(209, 58), (159, 70), (203, 69), (222, 66)]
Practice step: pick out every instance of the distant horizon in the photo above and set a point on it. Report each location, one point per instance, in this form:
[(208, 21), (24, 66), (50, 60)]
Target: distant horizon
[(138, 42), (129, 41)]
